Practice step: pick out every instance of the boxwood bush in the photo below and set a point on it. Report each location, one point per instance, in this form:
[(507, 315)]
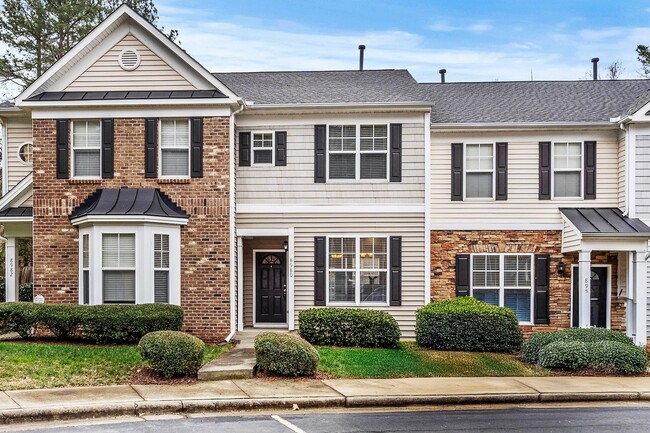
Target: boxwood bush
[(466, 324), (618, 357), (99, 323), (285, 354), (565, 355), (352, 327), (172, 353), (531, 347)]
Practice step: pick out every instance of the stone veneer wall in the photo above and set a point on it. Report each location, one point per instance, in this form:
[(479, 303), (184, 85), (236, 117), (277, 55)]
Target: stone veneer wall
[(446, 244), (205, 241)]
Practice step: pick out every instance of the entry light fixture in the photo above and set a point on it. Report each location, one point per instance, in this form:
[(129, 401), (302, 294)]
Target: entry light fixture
[(560, 269), (285, 245), (437, 272)]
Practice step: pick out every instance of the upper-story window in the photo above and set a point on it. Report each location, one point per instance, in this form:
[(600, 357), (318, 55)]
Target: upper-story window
[(175, 148), (358, 151), (479, 170), (86, 148), (263, 148), (567, 169), (25, 153)]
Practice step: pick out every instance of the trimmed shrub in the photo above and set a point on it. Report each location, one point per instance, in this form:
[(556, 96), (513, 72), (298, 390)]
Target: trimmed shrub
[(531, 347), (285, 354), (172, 353), (63, 320), (564, 355), (26, 293), (20, 317), (466, 324), (617, 357), (353, 327)]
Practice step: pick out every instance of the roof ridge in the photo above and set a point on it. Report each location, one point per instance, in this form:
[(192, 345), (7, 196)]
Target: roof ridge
[(311, 71)]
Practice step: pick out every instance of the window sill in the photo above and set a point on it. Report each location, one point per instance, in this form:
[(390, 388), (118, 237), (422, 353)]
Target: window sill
[(80, 181), (353, 305), (174, 180), (357, 181)]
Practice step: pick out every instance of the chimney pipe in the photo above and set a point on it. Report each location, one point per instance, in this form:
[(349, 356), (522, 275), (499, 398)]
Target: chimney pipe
[(594, 61), (361, 50), (442, 75)]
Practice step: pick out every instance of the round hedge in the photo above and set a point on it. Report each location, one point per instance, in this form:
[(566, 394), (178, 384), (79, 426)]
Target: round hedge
[(466, 324), (564, 355), (531, 347), (172, 353), (285, 354), (350, 327), (618, 357)]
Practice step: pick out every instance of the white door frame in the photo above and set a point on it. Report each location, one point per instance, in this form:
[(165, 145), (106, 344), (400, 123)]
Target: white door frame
[(574, 268)]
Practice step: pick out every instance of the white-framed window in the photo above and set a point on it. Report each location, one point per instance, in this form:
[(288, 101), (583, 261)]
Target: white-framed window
[(263, 148), (567, 169), (174, 148), (85, 268), (161, 268), (357, 151), (505, 280), (86, 149), (118, 268), (479, 170), (25, 153), (357, 270)]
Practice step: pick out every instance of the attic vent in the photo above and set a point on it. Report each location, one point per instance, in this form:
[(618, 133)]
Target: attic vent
[(129, 59)]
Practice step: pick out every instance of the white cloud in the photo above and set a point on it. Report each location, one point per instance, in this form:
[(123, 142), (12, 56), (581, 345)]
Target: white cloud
[(478, 27)]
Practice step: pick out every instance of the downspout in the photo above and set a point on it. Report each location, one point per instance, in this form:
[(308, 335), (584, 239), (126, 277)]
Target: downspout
[(4, 150), (233, 237), (628, 211)]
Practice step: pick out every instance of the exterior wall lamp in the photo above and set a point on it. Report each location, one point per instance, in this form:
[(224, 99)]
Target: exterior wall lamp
[(285, 245), (560, 269)]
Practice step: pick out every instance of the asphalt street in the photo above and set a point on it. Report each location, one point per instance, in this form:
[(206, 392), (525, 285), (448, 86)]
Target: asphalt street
[(574, 419)]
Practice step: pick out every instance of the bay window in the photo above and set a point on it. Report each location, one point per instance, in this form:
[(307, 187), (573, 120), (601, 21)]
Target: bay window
[(118, 268)]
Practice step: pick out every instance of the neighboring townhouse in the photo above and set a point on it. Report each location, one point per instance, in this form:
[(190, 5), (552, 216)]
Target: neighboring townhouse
[(247, 198)]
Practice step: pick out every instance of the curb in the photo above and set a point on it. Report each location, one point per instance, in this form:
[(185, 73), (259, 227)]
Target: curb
[(14, 416)]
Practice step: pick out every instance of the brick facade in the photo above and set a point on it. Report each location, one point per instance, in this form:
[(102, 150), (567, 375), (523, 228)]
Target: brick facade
[(205, 241), (446, 244)]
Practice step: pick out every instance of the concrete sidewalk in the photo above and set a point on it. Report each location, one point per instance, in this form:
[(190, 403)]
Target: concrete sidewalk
[(229, 395)]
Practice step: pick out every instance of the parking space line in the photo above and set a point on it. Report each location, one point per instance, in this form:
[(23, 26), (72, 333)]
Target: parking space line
[(287, 424)]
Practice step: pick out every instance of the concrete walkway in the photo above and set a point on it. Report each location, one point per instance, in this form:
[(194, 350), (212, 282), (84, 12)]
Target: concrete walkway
[(228, 395)]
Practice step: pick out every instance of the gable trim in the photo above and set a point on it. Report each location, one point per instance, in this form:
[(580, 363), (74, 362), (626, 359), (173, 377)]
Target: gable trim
[(17, 194)]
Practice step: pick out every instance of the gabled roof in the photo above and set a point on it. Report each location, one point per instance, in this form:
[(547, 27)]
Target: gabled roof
[(322, 87), (531, 101), (6, 104), (140, 202), (605, 222)]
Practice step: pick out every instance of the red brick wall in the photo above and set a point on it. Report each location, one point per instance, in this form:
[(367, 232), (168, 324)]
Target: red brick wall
[(446, 244), (205, 241)]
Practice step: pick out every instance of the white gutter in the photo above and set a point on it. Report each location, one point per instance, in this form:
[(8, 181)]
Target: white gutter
[(414, 104), (520, 125)]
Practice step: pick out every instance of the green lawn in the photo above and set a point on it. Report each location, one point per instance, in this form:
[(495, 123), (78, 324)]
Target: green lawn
[(412, 361), (46, 365)]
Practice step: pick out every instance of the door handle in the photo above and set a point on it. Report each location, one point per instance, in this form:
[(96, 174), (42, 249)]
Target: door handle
[(284, 292)]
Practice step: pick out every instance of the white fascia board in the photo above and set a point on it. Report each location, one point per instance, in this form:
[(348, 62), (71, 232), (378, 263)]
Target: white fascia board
[(16, 192), (16, 219), (134, 111), (211, 102), (119, 219), (329, 209), (496, 226), (514, 126)]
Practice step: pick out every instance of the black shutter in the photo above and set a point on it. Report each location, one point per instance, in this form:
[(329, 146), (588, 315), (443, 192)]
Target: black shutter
[(502, 171), (590, 170), (319, 271), (196, 147), (395, 152), (457, 172), (150, 147), (395, 271), (462, 274), (544, 170), (108, 148), (62, 149), (542, 276), (281, 148), (244, 149), (320, 153)]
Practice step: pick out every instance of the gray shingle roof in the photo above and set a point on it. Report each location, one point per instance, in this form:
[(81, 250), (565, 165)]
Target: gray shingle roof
[(128, 201), (322, 87), (605, 221), (532, 101), (6, 104)]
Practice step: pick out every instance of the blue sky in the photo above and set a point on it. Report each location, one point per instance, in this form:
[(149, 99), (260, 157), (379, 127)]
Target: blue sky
[(473, 40)]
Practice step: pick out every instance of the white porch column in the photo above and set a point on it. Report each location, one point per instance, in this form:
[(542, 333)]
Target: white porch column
[(11, 270), (240, 283), (640, 297), (584, 289)]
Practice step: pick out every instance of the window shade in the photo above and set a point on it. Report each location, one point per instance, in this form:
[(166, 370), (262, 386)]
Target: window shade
[(342, 165), (86, 162), (161, 251), (519, 302), (161, 287), (118, 250), (373, 165), (175, 162), (119, 287)]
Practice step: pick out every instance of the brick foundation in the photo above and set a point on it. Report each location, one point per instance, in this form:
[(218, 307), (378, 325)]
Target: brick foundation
[(446, 244), (205, 241)]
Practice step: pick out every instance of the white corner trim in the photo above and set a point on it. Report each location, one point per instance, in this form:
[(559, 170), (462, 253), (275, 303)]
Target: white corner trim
[(17, 191), (330, 209), (136, 219), (427, 209), (496, 226), (3, 139)]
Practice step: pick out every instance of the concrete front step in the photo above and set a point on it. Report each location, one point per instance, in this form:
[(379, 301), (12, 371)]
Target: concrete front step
[(236, 364)]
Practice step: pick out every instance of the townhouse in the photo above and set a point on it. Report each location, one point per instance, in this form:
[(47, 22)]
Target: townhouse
[(249, 197)]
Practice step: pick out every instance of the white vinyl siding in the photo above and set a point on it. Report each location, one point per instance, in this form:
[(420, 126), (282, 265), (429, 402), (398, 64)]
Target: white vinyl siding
[(523, 206), (175, 148), (152, 74), (18, 131), (86, 149), (409, 226), (641, 144), (118, 268), (479, 171)]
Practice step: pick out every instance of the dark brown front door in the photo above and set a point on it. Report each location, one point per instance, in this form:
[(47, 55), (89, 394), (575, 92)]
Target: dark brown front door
[(270, 288), (598, 297)]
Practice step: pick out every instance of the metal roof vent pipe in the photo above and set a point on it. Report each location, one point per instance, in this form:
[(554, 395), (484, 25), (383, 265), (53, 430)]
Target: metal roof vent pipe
[(594, 62), (442, 75), (362, 48)]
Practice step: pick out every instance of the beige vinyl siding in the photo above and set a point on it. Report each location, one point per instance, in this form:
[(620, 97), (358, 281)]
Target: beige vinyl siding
[(642, 188), (523, 205), (250, 245), (294, 183), (152, 74), (306, 226), (19, 131), (570, 238)]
